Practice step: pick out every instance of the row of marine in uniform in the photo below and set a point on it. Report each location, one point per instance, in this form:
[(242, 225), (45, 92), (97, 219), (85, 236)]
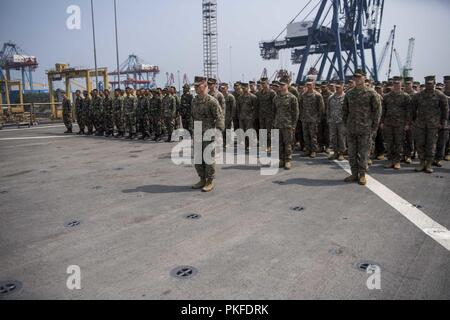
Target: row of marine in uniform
[(142, 114)]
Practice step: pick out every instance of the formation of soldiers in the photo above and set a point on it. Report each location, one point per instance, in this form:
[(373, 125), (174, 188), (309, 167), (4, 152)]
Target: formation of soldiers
[(399, 119), (142, 114)]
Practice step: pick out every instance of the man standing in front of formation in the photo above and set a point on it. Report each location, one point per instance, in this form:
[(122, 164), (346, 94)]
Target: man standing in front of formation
[(336, 123), (362, 113)]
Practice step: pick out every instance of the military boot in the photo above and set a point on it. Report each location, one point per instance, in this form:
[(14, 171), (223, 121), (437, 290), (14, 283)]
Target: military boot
[(288, 165), (352, 178), (341, 157), (428, 168), (437, 163), (389, 165), (397, 166), (369, 162), (200, 184), (447, 157), (421, 167), (381, 157), (362, 180), (209, 186), (313, 155), (408, 160)]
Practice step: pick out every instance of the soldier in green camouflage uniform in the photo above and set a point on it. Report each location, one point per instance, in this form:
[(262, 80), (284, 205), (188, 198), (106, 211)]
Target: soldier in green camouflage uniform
[(186, 109), (79, 111), (169, 110), (266, 108), (230, 111), (130, 106), (156, 115), (430, 114), (97, 113), (311, 110), (408, 146), (336, 124), (212, 86), (395, 120), (205, 109), (442, 151), (67, 113), (108, 114), (286, 117), (362, 113), (323, 136), (143, 114), (246, 106), (118, 113), (87, 113), (236, 94)]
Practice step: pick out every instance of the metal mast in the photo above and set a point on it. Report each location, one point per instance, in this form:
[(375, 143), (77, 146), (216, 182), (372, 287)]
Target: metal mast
[(210, 43)]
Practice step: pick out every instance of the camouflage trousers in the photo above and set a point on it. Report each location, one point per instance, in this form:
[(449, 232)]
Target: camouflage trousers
[(441, 147), (130, 123), (143, 124), (310, 130), (377, 147), (337, 137), (118, 121), (207, 171), (98, 121), (323, 135), (155, 125), (87, 116), (80, 120), (109, 123), (286, 143), (358, 152), (426, 140), (266, 122), (408, 145), (186, 122), (67, 118), (394, 139), (299, 134), (246, 125), (169, 124)]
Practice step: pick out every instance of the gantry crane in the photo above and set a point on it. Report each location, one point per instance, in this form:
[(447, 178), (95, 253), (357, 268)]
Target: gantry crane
[(342, 29), (405, 70), (137, 73)]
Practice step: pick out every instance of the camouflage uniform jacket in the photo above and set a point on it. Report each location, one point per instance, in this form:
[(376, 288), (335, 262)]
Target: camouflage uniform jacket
[(97, 105), (186, 105), (335, 108), (247, 106), (220, 98), (362, 111), (169, 106), (430, 109), (117, 104), (130, 105), (108, 106), (156, 106), (207, 110), (286, 111), (396, 109), (78, 104), (265, 103), (230, 106), (311, 107)]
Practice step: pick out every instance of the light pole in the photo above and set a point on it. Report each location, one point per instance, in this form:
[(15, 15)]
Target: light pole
[(95, 50), (117, 44)]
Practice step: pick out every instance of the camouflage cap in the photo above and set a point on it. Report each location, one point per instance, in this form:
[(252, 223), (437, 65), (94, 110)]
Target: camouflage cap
[(237, 84), (409, 79), (275, 84), (264, 80), (359, 73), (251, 82), (283, 81), (416, 83), (397, 79), (199, 80), (186, 86), (430, 79), (244, 84), (212, 81)]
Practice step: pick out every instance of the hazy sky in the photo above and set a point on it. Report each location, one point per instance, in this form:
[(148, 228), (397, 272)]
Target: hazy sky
[(169, 34)]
